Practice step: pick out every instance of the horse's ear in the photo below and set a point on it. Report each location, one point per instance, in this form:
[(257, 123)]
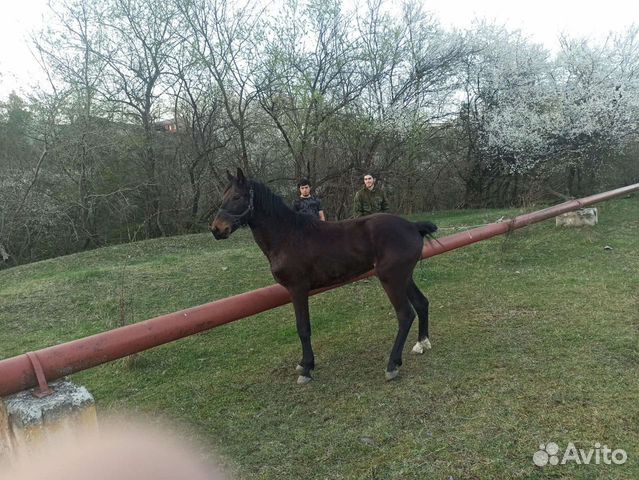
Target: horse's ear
[(229, 176), (240, 175)]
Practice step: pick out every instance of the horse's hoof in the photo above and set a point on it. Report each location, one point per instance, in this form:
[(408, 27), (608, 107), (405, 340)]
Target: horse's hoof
[(302, 380), (299, 369), (421, 346), (392, 375)]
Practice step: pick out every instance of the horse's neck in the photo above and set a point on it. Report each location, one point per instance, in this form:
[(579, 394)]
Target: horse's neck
[(270, 233), (264, 239)]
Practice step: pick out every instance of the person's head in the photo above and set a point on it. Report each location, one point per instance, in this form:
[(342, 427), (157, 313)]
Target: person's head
[(369, 181), (304, 187)]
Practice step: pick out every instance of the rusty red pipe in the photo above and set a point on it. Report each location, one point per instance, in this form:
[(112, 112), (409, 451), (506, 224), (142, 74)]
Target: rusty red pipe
[(18, 373), (478, 234)]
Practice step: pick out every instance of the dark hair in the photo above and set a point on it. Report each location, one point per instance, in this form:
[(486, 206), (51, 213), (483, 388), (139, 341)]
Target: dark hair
[(303, 182)]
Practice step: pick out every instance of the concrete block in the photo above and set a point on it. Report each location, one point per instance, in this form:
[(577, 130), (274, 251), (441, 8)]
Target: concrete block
[(28, 423), (578, 218)]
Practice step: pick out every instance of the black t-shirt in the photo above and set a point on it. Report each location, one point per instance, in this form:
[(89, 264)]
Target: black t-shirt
[(310, 205)]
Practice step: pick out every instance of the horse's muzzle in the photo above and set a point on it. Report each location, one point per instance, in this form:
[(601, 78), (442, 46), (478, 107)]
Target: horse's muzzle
[(220, 229), (220, 234)]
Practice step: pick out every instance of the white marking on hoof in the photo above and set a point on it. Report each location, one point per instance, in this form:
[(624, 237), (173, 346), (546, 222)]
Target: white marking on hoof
[(299, 368), (392, 375), (421, 346), (302, 380)]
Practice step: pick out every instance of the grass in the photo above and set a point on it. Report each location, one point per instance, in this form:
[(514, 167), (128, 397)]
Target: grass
[(535, 339)]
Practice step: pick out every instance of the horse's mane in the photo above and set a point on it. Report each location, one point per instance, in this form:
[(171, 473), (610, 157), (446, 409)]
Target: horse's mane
[(274, 205)]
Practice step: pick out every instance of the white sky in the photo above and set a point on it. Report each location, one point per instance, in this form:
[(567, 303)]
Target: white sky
[(541, 20), (18, 68)]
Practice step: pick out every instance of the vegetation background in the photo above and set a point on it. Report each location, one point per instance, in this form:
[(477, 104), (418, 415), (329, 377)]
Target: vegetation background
[(149, 101)]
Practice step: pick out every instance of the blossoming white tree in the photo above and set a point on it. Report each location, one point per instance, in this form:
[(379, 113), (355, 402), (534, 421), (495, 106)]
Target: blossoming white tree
[(524, 113)]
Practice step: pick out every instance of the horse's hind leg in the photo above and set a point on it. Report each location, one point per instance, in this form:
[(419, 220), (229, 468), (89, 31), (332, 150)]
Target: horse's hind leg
[(420, 303), (396, 291)]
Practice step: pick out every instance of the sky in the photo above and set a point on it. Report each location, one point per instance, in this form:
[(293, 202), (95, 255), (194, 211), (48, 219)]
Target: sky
[(18, 68), (541, 20)]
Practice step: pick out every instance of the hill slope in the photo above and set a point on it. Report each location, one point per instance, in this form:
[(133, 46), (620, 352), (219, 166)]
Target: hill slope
[(535, 339)]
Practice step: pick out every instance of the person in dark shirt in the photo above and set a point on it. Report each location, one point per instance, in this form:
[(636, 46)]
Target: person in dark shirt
[(307, 203)]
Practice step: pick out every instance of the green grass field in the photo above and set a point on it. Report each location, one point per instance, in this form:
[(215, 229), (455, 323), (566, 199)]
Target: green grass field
[(535, 339)]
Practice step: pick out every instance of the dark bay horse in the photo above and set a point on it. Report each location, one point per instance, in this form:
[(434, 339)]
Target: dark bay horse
[(306, 253)]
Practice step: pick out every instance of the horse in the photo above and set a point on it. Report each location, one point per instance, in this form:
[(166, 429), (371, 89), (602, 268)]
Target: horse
[(305, 253)]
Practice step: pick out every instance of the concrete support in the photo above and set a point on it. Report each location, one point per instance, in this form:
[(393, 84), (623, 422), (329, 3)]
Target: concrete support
[(578, 218), (28, 423)]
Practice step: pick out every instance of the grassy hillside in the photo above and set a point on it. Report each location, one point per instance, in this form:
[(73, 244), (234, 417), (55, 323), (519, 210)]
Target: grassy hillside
[(535, 339)]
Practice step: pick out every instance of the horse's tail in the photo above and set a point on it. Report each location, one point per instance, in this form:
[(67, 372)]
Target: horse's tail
[(426, 229)]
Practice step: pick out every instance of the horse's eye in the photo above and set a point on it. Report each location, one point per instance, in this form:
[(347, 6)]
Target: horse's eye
[(237, 197)]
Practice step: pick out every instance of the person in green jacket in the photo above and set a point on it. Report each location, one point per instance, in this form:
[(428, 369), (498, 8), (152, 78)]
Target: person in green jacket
[(369, 199)]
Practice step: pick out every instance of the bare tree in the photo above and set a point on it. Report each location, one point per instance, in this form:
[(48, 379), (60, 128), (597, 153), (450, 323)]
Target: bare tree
[(412, 69), (140, 39), (67, 53), (203, 131), (311, 73), (226, 39)]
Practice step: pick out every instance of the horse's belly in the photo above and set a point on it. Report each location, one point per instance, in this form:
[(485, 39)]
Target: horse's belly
[(320, 271), (330, 273)]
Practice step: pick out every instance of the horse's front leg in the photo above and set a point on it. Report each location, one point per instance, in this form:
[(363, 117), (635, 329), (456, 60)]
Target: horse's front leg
[(303, 322)]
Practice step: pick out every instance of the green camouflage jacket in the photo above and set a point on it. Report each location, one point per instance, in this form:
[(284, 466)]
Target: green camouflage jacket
[(369, 201)]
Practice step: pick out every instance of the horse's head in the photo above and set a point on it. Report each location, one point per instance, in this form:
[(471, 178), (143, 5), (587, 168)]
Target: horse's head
[(237, 206)]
